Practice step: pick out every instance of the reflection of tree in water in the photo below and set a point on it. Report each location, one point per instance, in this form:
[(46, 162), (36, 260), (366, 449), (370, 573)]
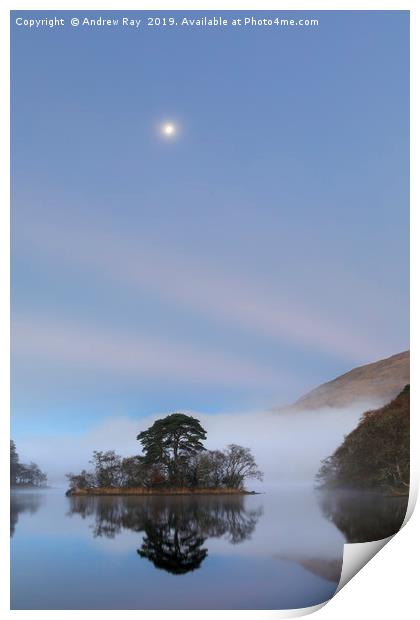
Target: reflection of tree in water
[(175, 528), (364, 517), (108, 513), (22, 502), (173, 544)]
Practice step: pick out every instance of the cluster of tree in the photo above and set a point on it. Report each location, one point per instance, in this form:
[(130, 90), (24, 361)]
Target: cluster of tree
[(24, 475), (173, 456), (376, 455)]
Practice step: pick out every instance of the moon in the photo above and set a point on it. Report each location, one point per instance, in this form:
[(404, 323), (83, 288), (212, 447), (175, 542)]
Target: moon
[(168, 129)]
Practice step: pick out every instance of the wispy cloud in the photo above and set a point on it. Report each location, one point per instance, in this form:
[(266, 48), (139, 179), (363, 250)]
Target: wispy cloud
[(179, 281), (87, 347)]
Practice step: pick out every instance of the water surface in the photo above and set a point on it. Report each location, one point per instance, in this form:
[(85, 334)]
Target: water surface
[(278, 550)]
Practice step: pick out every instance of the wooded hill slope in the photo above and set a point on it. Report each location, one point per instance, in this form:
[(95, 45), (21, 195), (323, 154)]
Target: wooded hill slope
[(376, 454)]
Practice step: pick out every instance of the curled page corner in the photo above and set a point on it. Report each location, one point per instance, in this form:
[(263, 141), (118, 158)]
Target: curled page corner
[(356, 556), (412, 499), (293, 613)]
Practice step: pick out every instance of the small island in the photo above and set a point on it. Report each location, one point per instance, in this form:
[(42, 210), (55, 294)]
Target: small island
[(174, 461)]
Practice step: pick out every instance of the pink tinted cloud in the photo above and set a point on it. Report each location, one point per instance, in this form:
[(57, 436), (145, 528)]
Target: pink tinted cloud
[(229, 298), (85, 347)]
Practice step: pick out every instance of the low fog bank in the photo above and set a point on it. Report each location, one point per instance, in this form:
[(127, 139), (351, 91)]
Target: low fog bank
[(288, 446)]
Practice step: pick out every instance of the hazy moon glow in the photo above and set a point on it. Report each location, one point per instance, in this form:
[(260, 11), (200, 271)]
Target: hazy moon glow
[(168, 129)]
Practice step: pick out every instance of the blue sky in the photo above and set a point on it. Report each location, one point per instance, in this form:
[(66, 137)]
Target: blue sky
[(258, 253)]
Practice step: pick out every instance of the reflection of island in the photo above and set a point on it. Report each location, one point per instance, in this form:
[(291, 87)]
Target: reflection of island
[(175, 529), (364, 517), (173, 542), (22, 502)]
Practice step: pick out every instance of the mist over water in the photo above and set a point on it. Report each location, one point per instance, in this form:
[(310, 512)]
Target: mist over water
[(288, 445)]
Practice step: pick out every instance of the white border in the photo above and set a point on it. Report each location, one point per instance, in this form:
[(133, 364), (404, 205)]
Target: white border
[(400, 595)]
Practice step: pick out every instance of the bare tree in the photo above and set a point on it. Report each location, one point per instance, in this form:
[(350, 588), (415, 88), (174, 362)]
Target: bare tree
[(108, 471), (239, 466)]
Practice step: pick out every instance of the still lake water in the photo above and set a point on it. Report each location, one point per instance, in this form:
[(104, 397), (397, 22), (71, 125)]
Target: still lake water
[(278, 550)]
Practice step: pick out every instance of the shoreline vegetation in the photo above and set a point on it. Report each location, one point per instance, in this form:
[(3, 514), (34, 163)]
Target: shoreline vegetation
[(375, 456), (24, 476), (174, 461), (158, 491)]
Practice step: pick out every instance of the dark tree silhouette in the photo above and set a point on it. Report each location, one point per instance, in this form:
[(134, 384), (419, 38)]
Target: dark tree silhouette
[(173, 441)]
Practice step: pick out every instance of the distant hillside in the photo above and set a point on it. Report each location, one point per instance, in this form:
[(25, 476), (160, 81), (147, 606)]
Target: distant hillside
[(376, 454), (380, 381)]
